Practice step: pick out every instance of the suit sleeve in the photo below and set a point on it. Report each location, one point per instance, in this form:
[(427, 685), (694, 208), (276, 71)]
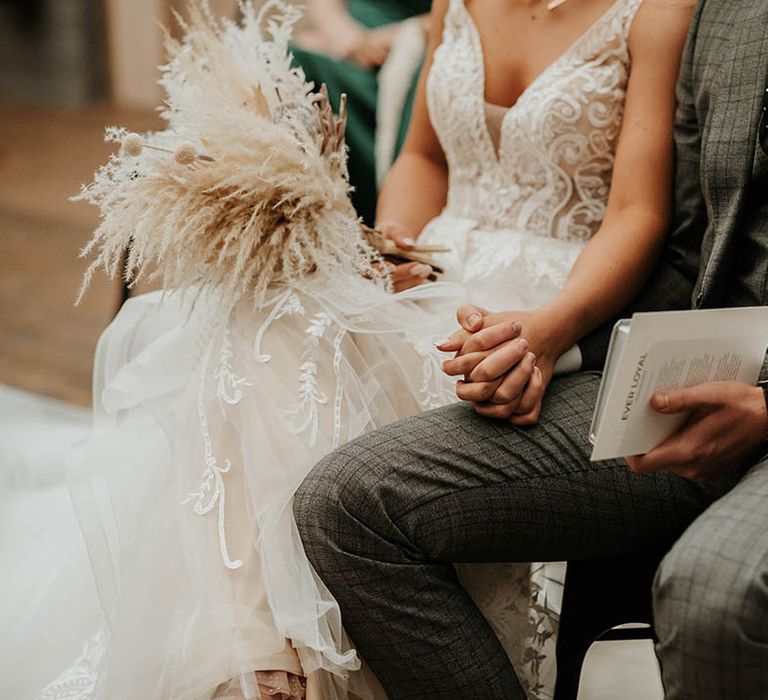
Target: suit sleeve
[(671, 285)]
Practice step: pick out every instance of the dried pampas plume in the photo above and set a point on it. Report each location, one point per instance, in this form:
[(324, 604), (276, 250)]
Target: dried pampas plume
[(247, 187)]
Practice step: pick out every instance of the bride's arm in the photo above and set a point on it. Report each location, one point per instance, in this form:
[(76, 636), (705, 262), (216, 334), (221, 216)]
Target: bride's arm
[(619, 258), (415, 189)]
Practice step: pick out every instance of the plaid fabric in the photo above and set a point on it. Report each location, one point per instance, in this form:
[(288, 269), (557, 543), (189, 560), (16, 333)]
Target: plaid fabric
[(711, 600), (384, 517), (722, 80)]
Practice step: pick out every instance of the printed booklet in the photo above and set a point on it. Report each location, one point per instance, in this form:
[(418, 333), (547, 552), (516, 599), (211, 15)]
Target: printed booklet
[(670, 350)]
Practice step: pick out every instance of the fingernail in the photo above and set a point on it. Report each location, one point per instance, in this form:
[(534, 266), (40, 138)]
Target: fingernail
[(389, 266), (531, 358), (422, 271), (662, 401), (474, 319), (444, 341), (409, 241), (523, 343)]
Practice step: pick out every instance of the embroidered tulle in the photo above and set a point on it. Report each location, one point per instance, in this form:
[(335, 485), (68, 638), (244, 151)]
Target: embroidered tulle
[(206, 425), (81, 679)]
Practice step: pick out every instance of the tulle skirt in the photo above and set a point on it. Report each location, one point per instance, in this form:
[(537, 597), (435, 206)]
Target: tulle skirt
[(205, 422)]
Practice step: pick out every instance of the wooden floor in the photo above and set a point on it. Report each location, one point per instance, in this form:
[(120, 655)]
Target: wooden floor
[(46, 343)]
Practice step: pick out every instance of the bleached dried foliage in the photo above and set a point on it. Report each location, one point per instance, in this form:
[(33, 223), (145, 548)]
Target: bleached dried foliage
[(266, 196)]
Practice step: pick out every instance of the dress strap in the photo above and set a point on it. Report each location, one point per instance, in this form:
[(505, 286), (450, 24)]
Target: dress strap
[(455, 19), (454, 7), (628, 14)]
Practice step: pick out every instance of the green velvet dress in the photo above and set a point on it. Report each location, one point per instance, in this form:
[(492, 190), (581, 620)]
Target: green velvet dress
[(361, 86)]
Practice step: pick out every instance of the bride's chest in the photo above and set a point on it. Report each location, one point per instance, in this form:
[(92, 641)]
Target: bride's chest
[(518, 42), (547, 168), (578, 97)]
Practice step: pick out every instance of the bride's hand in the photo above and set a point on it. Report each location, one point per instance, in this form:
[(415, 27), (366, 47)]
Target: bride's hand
[(406, 275), (507, 360), (399, 234)]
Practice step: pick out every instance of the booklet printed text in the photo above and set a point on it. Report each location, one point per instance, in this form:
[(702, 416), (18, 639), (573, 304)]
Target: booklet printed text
[(664, 351)]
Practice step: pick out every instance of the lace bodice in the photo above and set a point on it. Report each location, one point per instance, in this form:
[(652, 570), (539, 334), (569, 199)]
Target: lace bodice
[(551, 173)]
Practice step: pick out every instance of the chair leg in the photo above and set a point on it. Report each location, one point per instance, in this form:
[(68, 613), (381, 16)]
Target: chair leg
[(598, 595), (579, 626)]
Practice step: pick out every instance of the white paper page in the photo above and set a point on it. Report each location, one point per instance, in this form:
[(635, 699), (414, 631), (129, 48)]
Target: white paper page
[(671, 350), (612, 363)]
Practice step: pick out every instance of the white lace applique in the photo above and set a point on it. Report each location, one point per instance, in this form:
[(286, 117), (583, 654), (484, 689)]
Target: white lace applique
[(229, 388), (80, 681), (306, 414), (211, 492), (552, 172), (434, 390), (512, 599), (553, 267), (339, 394), (286, 304)]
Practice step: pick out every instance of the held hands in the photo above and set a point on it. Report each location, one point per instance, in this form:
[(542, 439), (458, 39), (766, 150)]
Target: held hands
[(726, 422), (506, 360)]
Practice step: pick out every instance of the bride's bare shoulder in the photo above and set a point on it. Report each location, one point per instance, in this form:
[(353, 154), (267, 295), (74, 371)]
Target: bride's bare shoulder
[(654, 13), (661, 27), (436, 23), (672, 4)]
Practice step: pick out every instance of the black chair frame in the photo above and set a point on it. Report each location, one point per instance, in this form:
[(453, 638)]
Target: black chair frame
[(600, 595)]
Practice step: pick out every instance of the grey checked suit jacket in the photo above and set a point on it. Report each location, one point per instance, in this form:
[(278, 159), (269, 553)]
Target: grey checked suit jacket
[(723, 76)]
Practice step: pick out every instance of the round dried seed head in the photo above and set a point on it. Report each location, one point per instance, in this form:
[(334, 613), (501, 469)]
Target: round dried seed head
[(132, 144), (185, 154)]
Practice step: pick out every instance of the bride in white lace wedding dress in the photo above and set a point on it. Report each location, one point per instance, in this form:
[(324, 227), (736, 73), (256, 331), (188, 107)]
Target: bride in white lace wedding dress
[(205, 422)]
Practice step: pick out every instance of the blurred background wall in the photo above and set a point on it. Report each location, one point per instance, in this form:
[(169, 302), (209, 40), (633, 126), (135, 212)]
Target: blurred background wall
[(52, 52), (75, 52), (136, 45), (69, 68)]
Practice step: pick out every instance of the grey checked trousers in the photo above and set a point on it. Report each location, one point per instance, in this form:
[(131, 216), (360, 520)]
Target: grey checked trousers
[(384, 517)]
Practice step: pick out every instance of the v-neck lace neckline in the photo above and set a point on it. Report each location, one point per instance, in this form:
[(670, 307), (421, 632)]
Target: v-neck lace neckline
[(497, 151)]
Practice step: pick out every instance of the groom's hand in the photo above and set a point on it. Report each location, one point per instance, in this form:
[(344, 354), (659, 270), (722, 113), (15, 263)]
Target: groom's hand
[(483, 355), (471, 319), (726, 422)]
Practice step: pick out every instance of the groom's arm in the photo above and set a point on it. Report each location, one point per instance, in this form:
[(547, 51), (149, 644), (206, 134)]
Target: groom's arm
[(672, 284)]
